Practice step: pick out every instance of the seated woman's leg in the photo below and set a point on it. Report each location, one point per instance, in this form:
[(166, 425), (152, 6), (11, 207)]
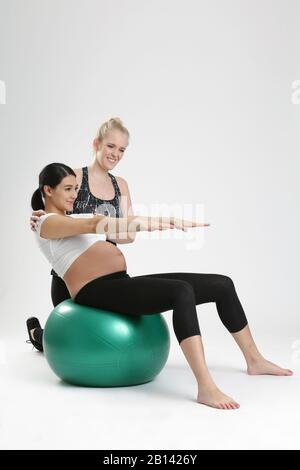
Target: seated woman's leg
[(220, 289), (213, 288), (144, 296)]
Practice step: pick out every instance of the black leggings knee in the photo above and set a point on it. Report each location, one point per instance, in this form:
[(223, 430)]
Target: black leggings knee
[(156, 293)]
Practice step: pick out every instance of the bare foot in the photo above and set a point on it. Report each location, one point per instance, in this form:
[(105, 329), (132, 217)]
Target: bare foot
[(262, 366), (215, 398)]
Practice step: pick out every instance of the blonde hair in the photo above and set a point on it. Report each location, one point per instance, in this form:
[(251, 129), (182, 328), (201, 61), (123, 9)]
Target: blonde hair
[(114, 123)]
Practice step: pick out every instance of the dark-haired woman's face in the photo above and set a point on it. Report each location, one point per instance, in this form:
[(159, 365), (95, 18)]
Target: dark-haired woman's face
[(64, 194)]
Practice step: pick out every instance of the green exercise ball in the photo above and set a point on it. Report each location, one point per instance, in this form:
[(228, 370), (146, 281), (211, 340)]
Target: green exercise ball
[(98, 348)]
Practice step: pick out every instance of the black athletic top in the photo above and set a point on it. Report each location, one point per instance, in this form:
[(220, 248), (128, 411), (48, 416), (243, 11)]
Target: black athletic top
[(87, 203)]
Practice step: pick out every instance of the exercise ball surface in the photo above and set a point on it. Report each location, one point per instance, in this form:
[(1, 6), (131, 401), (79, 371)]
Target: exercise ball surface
[(99, 348)]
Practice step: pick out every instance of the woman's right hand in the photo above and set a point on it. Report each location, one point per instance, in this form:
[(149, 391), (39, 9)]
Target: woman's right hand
[(35, 217)]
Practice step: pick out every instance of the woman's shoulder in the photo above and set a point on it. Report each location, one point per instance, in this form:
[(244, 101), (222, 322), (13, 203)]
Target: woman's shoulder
[(46, 215), (40, 222), (78, 172), (122, 183)]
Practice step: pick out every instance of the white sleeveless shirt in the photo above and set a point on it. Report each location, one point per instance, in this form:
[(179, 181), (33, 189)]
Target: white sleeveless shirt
[(62, 252)]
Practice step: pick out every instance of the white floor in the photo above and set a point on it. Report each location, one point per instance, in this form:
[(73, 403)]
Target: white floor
[(38, 411)]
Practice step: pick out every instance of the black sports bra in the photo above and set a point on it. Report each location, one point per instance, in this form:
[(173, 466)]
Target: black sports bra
[(86, 202)]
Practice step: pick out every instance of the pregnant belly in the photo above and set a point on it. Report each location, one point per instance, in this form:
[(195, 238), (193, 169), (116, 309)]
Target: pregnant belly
[(98, 260)]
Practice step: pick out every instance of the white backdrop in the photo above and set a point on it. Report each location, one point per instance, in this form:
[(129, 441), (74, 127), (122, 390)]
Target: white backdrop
[(206, 91)]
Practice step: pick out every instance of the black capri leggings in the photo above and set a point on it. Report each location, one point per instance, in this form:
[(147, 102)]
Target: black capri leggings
[(156, 293)]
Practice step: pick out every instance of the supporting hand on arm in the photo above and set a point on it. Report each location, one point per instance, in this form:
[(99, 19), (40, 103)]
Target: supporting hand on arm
[(35, 217)]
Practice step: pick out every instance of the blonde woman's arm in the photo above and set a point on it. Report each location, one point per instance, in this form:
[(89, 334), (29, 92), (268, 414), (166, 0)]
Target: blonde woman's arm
[(127, 211)]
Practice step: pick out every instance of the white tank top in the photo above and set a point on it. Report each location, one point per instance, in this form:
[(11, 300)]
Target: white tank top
[(62, 252)]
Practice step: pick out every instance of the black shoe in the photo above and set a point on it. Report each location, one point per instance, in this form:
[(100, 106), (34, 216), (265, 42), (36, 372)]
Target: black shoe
[(32, 323)]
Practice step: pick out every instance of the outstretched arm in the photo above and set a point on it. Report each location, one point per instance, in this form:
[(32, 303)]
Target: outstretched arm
[(61, 226)]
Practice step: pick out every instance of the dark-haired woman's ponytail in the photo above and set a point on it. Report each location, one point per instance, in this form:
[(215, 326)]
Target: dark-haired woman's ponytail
[(51, 175), (37, 200)]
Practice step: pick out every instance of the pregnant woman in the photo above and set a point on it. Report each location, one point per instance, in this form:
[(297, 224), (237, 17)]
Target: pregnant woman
[(95, 274)]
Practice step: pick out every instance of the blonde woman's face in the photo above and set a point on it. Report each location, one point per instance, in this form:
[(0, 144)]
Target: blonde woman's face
[(111, 150)]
